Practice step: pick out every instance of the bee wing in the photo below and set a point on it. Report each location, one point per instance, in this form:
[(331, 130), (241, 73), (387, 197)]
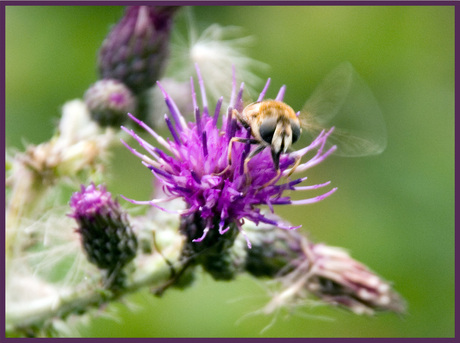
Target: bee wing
[(343, 100)]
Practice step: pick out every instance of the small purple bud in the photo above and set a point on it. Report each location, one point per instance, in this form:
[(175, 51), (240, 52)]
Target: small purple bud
[(109, 101)]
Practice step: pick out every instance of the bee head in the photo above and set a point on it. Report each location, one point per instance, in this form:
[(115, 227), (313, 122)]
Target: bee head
[(274, 123), (280, 133)]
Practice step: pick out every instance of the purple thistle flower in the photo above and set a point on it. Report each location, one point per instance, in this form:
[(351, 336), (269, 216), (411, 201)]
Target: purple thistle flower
[(191, 165), (106, 235)]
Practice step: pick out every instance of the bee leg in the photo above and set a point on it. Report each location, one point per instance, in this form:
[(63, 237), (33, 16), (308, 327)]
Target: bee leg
[(229, 156), (247, 159), (276, 162), (223, 171), (296, 164), (274, 179), (278, 172), (230, 144)]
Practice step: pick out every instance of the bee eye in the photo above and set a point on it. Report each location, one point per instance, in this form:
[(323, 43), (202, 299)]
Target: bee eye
[(295, 131), (267, 130)]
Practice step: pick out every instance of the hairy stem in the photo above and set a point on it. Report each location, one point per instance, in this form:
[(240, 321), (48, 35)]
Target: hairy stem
[(149, 271)]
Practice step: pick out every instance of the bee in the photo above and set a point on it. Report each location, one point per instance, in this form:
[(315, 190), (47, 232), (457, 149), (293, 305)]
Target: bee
[(272, 123), (342, 100)]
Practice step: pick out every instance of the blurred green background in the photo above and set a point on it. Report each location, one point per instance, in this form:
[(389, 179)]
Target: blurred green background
[(394, 212)]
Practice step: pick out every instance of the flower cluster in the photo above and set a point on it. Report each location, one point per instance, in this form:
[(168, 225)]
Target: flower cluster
[(195, 167)]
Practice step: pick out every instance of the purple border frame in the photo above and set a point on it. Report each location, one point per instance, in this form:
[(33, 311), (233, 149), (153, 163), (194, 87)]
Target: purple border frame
[(210, 3)]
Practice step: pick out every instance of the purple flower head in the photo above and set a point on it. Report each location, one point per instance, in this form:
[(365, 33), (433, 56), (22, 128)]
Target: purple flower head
[(92, 201), (194, 166)]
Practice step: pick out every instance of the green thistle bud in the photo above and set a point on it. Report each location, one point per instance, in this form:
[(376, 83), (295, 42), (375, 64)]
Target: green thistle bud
[(274, 252), (214, 253)]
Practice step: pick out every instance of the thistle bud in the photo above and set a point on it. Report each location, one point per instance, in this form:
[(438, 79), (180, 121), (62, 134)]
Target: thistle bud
[(273, 251), (106, 235), (136, 49), (305, 269), (109, 101), (341, 280)]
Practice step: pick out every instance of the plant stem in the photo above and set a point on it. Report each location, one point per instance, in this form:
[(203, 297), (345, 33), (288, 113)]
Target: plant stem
[(150, 271)]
